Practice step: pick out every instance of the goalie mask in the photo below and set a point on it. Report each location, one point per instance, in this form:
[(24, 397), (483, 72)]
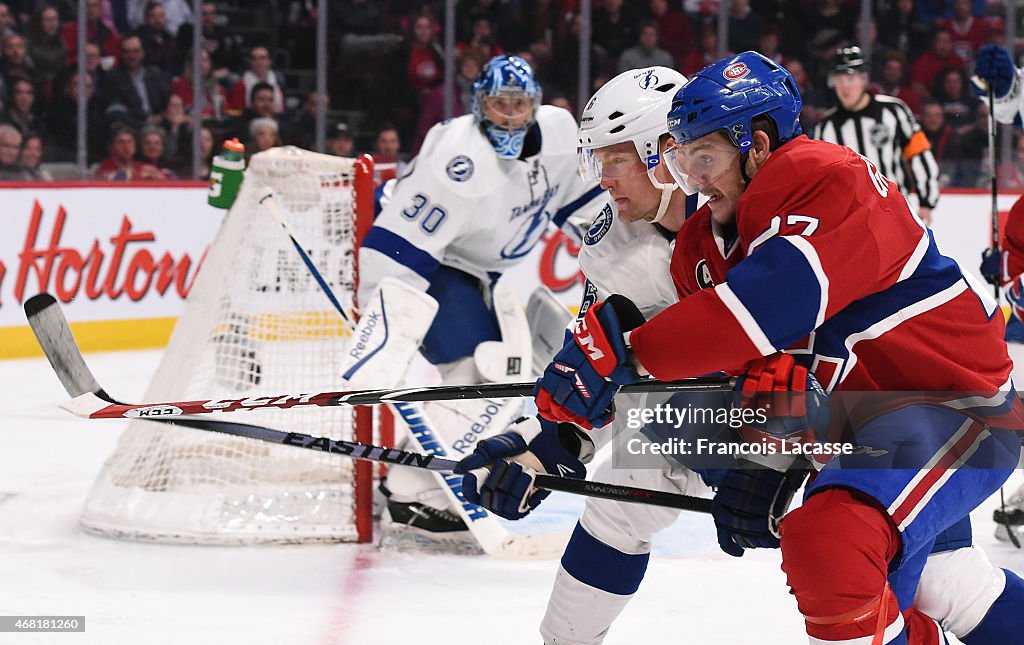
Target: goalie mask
[(505, 102), (632, 107)]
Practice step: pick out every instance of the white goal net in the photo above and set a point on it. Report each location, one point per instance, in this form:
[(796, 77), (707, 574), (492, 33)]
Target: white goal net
[(256, 322)]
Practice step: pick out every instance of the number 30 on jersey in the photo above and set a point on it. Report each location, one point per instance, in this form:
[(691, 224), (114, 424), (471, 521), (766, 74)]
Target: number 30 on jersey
[(430, 217)]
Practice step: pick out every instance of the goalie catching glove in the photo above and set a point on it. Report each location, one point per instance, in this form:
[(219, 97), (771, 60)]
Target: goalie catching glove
[(581, 382), (533, 445)]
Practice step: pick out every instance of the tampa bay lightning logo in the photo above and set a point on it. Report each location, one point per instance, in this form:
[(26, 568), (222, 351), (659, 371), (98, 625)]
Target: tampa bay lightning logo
[(460, 168), (600, 226), (648, 79)]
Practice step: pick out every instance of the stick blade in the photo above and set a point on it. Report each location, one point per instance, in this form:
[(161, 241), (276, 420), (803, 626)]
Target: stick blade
[(53, 333), (85, 405)]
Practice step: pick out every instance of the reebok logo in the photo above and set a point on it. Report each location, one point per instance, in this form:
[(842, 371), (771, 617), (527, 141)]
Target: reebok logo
[(564, 471)]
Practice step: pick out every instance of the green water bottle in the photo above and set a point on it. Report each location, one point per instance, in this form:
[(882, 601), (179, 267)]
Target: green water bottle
[(226, 174)]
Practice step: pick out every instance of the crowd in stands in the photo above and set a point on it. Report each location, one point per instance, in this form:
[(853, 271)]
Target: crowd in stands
[(386, 72)]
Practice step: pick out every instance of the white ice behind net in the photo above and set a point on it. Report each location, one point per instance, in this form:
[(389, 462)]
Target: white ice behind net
[(256, 322)]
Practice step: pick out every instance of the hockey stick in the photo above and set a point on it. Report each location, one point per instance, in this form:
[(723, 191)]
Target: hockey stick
[(60, 348), (992, 163), (90, 406)]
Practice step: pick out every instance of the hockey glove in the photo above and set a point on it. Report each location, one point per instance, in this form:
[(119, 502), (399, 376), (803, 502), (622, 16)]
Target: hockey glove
[(534, 445), (781, 398), (992, 266), (995, 66), (749, 506), (1015, 294), (581, 381)]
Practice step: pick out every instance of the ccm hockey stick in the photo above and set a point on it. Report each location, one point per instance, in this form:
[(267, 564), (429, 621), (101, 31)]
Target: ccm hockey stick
[(60, 348)]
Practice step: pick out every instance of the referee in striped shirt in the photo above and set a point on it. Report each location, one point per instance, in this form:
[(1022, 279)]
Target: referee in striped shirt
[(881, 128)]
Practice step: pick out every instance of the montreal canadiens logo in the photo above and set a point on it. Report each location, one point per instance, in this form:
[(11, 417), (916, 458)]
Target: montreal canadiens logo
[(736, 71), (460, 168), (600, 226)]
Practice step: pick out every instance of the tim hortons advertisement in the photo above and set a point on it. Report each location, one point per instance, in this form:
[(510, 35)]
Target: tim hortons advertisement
[(121, 258)]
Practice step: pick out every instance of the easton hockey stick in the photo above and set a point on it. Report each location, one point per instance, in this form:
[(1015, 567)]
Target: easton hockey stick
[(54, 334)]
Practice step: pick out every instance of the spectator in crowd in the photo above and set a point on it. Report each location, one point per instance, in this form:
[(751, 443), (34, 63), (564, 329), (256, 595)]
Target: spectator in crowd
[(892, 82), (62, 119), (138, 90), (121, 164), (15, 62), (831, 23), (939, 56), (215, 98), (299, 126), (10, 150), (340, 142), (768, 43), (21, 111), (675, 32), (956, 99), (432, 106), (45, 46), (973, 169), (261, 105), (95, 32), (900, 30), (160, 46), (968, 32), (263, 135), (705, 54), (206, 153), (815, 100), (176, 122), (7, 24), (646, 52), (151, 150), (176, 13), (260, 72), (481, 40), (224, 48), (385, 154), (744, 26), (425, 67), (31, 158), (95, 67), (943, 139), (613, 28)]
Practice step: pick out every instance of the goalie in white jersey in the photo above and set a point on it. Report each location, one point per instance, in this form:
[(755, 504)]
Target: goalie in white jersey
[(482, 192)]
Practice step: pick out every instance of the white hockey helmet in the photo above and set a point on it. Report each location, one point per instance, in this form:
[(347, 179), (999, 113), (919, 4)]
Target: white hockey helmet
[(633, 106)]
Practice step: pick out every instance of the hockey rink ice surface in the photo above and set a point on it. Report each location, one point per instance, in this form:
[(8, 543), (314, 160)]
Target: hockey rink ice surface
[(354, 594)]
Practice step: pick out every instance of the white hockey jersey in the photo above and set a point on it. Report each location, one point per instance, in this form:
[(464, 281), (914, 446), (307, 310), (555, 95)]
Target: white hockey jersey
[(462, 206), (631, 259)]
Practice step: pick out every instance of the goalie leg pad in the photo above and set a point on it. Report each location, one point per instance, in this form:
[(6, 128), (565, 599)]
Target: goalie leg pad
[(511, 358), (548, 319), (389, 333)]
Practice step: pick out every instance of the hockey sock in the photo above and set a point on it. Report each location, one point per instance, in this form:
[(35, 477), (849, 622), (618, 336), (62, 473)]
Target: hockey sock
[(1004, 622), (835, 551)]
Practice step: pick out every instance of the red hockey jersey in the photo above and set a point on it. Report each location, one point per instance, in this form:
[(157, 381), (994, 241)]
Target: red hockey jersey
[(701, 256), (839, 268)]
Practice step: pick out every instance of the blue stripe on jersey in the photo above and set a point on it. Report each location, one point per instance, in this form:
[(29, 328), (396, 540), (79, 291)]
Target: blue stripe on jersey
[(779, 289), (594, 563), (401, 251), (564, 212), (935, 273)]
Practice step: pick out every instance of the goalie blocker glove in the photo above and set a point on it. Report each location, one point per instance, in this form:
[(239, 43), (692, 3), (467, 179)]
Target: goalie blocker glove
[(534, 445), (581, 382)]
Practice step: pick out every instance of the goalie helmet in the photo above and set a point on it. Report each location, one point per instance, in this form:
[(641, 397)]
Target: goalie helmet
[(727, 95), (631, 107), (502, 94)]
